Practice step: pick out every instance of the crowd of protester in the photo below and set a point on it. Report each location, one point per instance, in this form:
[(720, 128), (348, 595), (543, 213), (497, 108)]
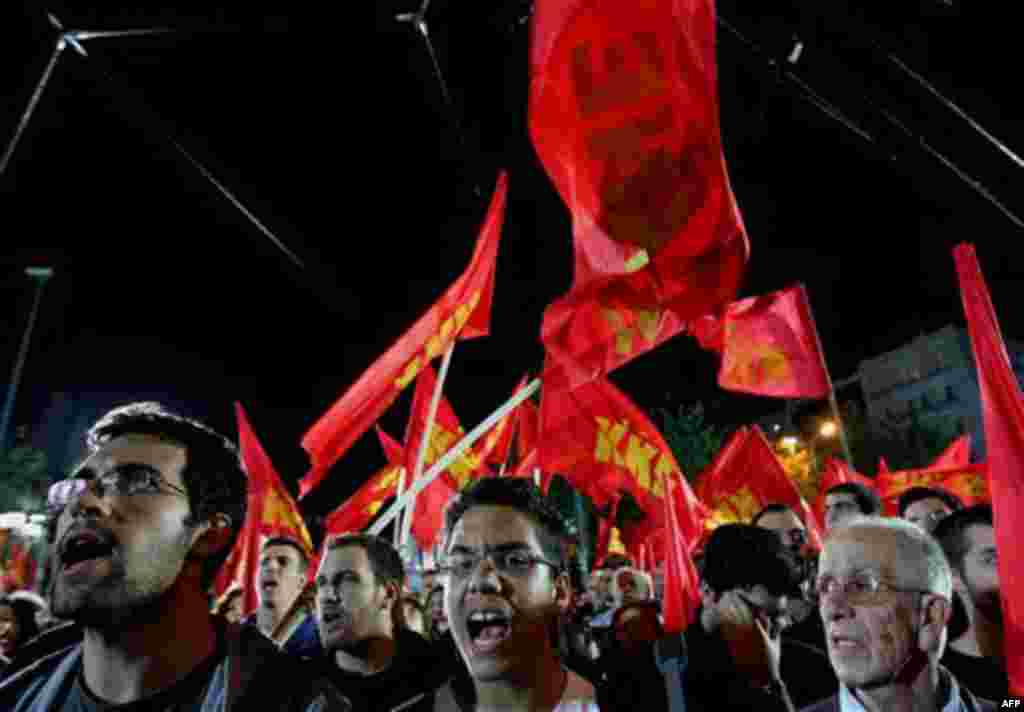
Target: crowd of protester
[(894, 613)]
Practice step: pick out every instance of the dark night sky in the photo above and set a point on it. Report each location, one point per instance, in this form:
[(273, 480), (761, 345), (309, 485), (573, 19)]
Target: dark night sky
[(333, 130)]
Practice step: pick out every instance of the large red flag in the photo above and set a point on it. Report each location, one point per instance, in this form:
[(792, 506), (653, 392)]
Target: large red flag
[(682, 592), (1002, 409), (462, 312), (359, 510), (271, 511), (624, 116), (836, 472), (958, 454), (968, 484), (770, 347), (721, 461), (604, 445), (748, 480), (428, 515)]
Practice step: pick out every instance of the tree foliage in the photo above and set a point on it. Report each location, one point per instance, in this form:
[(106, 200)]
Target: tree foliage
[(694, 442)]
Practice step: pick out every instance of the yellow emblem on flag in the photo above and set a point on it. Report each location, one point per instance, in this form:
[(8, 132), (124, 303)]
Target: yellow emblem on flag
[(646, 328), (736, 508)]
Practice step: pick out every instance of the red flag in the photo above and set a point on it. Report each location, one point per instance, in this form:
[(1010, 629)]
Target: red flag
[(883, 466), (604, 445), (624, 116), (958, 454), (770, 347), (527, 427), (428, 515), (721, 461), (1002, 408), (836, 472), (271, 511), (968, 484), (462, 312), (682, 593), (359, 510), (748, 480), (498, 442)]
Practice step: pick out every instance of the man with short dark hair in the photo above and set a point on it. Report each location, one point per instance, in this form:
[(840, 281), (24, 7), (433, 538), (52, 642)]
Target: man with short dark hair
[(848, 500), (140, 531), (884, 588), (505, 590), (284, 565), (926, 507), (976, 657), (370, 653)]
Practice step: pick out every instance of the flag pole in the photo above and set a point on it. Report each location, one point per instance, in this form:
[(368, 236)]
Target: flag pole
[(398, 493), (449, 457), (421, 456), (833, 403)]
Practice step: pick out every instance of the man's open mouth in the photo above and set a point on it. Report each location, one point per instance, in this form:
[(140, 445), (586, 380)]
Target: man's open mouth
[(83, 547), (487, 629)]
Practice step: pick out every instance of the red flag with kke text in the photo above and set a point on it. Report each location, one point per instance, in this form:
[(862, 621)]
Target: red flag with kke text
[(624, 116), (605, 445), (770, 347), (428, 515), (270, 511), (1002, 408), (462, 312), (748, 479), (359, 510), (968, 484), (958, 454), (836, 472)]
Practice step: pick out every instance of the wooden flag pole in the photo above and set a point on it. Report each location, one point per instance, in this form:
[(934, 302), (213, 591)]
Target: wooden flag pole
[(421, 456), (449, 457)]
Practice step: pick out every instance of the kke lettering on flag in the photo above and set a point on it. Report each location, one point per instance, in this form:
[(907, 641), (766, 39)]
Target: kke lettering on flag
[(605, 445), (1002, 409), (356, 513), (270, 511), (462, 312), (624, 116), (770, 347)]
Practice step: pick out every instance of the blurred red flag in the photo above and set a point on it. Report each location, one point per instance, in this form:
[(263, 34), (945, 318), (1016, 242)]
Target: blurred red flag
[(358, 510), (462, 312), (682, 592), (624, 116), (527, 426), (958, 454), (270, 511), (604, 445), (1002, 408), (836, 472), (721, 461), (967, 483), (497, 444), (749, 478), (770, 347), (428, 515)]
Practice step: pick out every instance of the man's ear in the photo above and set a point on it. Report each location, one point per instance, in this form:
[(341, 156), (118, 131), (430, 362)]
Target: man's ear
[(563, 592), (937, 611), (212, 535)]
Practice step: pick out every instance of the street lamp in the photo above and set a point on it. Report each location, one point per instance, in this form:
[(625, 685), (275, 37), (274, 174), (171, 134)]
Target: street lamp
[(40, 275), (828, 429)]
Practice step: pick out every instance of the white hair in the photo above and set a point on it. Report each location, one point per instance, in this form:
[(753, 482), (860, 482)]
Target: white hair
[(919, 550)]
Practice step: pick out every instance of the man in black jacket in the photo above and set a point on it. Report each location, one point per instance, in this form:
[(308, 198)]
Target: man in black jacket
[(371, 655)]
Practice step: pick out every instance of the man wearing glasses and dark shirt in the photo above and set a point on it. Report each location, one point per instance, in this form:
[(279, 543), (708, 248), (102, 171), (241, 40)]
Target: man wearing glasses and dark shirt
[(138, 535)]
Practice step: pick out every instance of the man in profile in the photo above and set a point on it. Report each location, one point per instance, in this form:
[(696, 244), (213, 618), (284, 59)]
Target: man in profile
[(139, 532)]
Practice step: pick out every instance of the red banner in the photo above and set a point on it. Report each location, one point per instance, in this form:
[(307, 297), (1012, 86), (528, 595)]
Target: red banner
[(1002, 408), (968, 484), (770, 347), (359, 510), (624, 116), (271, 511), (462, 312)]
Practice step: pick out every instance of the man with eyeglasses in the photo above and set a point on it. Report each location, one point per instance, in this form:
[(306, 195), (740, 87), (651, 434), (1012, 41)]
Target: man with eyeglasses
[(884, 590), (138, 535), (848, 500), (505, 590), (976, 657), (370, 653)]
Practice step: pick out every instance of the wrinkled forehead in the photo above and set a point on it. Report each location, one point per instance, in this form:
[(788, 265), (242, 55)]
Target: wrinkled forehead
[(855, 549), (486, 527)]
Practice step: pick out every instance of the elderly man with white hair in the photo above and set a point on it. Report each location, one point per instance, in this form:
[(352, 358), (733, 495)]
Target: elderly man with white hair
[(884, 589)]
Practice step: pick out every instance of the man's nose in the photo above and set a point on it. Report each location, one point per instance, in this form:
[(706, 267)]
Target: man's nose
[(485, 577)]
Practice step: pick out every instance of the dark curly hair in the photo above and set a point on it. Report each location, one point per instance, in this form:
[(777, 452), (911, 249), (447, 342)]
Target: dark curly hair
[(25, 615), (213, 475), (523, 496)]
